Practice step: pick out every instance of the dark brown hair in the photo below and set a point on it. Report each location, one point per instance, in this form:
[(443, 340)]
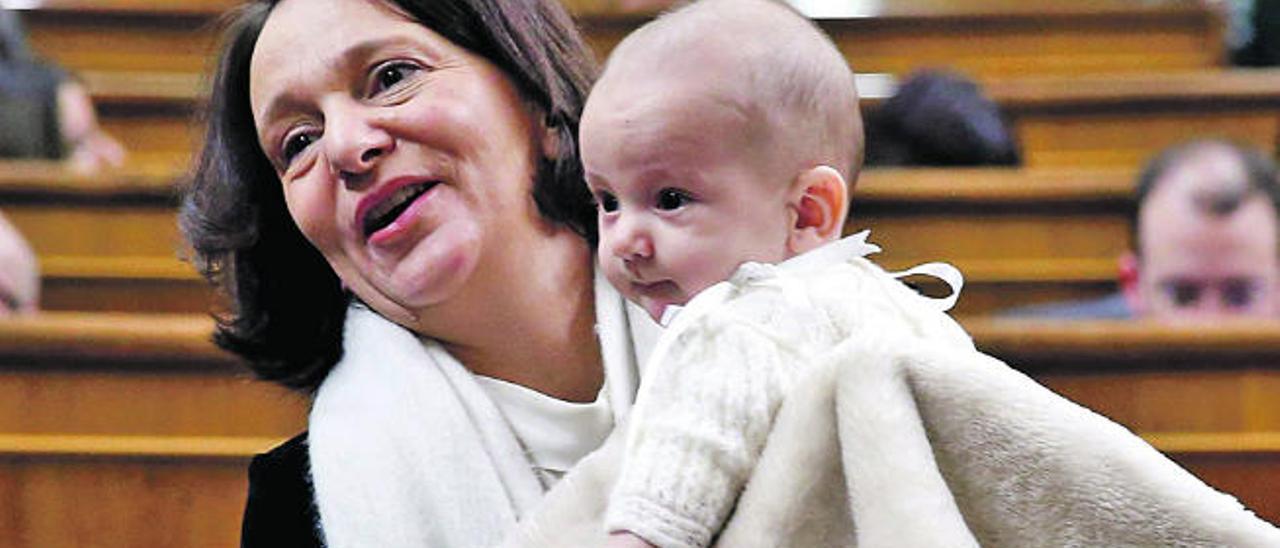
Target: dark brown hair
[(285, 305), (1261, 171)]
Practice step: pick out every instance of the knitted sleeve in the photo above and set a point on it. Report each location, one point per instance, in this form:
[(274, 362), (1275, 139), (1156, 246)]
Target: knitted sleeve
[(698, 428)]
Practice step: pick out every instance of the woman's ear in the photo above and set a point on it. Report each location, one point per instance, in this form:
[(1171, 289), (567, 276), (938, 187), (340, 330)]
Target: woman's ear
[(819, 199), (548, 135)]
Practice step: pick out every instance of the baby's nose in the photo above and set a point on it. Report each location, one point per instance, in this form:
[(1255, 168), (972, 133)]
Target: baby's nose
[(633, 242)]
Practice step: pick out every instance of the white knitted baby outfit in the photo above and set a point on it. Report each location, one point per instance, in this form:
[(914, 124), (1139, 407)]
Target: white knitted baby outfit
[(719, 374)]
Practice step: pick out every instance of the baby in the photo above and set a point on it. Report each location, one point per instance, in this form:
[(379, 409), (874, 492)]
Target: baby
[(721, 139)]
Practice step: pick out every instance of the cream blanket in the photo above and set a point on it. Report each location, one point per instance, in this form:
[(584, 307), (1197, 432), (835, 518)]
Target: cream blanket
[(892, 444)]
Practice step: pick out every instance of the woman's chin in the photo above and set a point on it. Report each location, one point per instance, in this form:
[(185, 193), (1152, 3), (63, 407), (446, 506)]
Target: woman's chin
[(433, 272)]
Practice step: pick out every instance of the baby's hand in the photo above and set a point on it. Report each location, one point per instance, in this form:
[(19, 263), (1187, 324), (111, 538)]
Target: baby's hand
[(626, 540)]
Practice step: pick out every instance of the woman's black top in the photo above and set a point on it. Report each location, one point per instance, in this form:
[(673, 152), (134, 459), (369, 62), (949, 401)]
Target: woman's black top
[(281, 510)]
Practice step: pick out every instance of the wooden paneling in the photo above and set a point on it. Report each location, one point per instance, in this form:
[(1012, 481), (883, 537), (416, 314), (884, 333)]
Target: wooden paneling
[(103, 230), (1251, 475), (114, 424), (1123, 119), (153, 114), (1203, 394), (987, 38), (136, 375), (1153, 378), (1018, 235), (127, 430), (1099, 120), (105, 242), (1056, 67), (983, 37), (125, 503), (110, 242), (126, 36), (103, 294)]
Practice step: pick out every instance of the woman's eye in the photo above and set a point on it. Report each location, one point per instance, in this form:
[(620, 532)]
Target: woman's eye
[(294, 145), (672, 198), (606, 202), (389, 75)]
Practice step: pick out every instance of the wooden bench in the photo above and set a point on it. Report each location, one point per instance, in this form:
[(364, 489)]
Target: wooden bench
[(126, 35), (153, 114), (989, 38), (1018, 235), (1086, 83), (132, 430), (124, 430), (1081, 121), (1203, 394), (106, 242), (983, 37), (1123, 119)]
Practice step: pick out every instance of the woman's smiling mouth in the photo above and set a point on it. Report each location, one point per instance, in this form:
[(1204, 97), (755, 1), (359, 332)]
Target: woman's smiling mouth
[(387, 211)]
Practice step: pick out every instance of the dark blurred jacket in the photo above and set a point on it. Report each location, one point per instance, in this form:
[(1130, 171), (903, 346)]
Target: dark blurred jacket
[(939, 118), (28, 98)]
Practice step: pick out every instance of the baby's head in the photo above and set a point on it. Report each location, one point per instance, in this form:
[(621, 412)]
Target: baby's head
[(723, 132)]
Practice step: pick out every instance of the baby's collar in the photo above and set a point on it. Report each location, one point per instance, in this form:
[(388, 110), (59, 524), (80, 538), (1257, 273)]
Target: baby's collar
[(834, 252), (838, 251)]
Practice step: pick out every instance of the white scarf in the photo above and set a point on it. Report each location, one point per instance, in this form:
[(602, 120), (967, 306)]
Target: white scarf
[(408, 450)]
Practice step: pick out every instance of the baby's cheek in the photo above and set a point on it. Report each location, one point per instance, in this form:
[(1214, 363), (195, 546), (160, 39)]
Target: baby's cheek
[(613, 272)]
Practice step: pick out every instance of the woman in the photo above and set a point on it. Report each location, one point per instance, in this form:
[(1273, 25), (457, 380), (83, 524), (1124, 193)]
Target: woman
[(389, 194)]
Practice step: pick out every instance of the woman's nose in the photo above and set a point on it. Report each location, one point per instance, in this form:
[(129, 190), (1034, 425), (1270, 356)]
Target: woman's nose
[(356, 141)]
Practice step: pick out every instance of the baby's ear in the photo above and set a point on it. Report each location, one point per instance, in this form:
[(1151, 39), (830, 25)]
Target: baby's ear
[(818, 201)]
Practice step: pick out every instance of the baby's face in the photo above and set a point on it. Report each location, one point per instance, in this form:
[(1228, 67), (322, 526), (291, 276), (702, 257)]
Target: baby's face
[(683, 193)]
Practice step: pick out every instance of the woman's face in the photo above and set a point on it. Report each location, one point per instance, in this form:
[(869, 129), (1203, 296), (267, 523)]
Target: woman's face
[(406, 160)]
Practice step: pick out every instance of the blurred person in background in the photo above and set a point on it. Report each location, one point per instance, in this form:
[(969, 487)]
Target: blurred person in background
[(44, 112), (939, 118), (1253, 31), (1203, 236)]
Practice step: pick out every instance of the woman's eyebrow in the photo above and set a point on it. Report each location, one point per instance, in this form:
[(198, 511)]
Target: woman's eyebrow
[(349, 60)]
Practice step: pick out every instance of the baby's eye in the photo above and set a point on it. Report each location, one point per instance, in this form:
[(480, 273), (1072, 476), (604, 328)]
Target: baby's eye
[(673, 198), (388, 75), (294, 145), (606, 202)]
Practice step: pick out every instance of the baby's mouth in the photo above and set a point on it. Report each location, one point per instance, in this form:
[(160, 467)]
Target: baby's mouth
[(656, 297), (386, 212), (665, 290)]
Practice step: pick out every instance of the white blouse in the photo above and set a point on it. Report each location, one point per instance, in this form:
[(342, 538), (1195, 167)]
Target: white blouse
[(556, 433)]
